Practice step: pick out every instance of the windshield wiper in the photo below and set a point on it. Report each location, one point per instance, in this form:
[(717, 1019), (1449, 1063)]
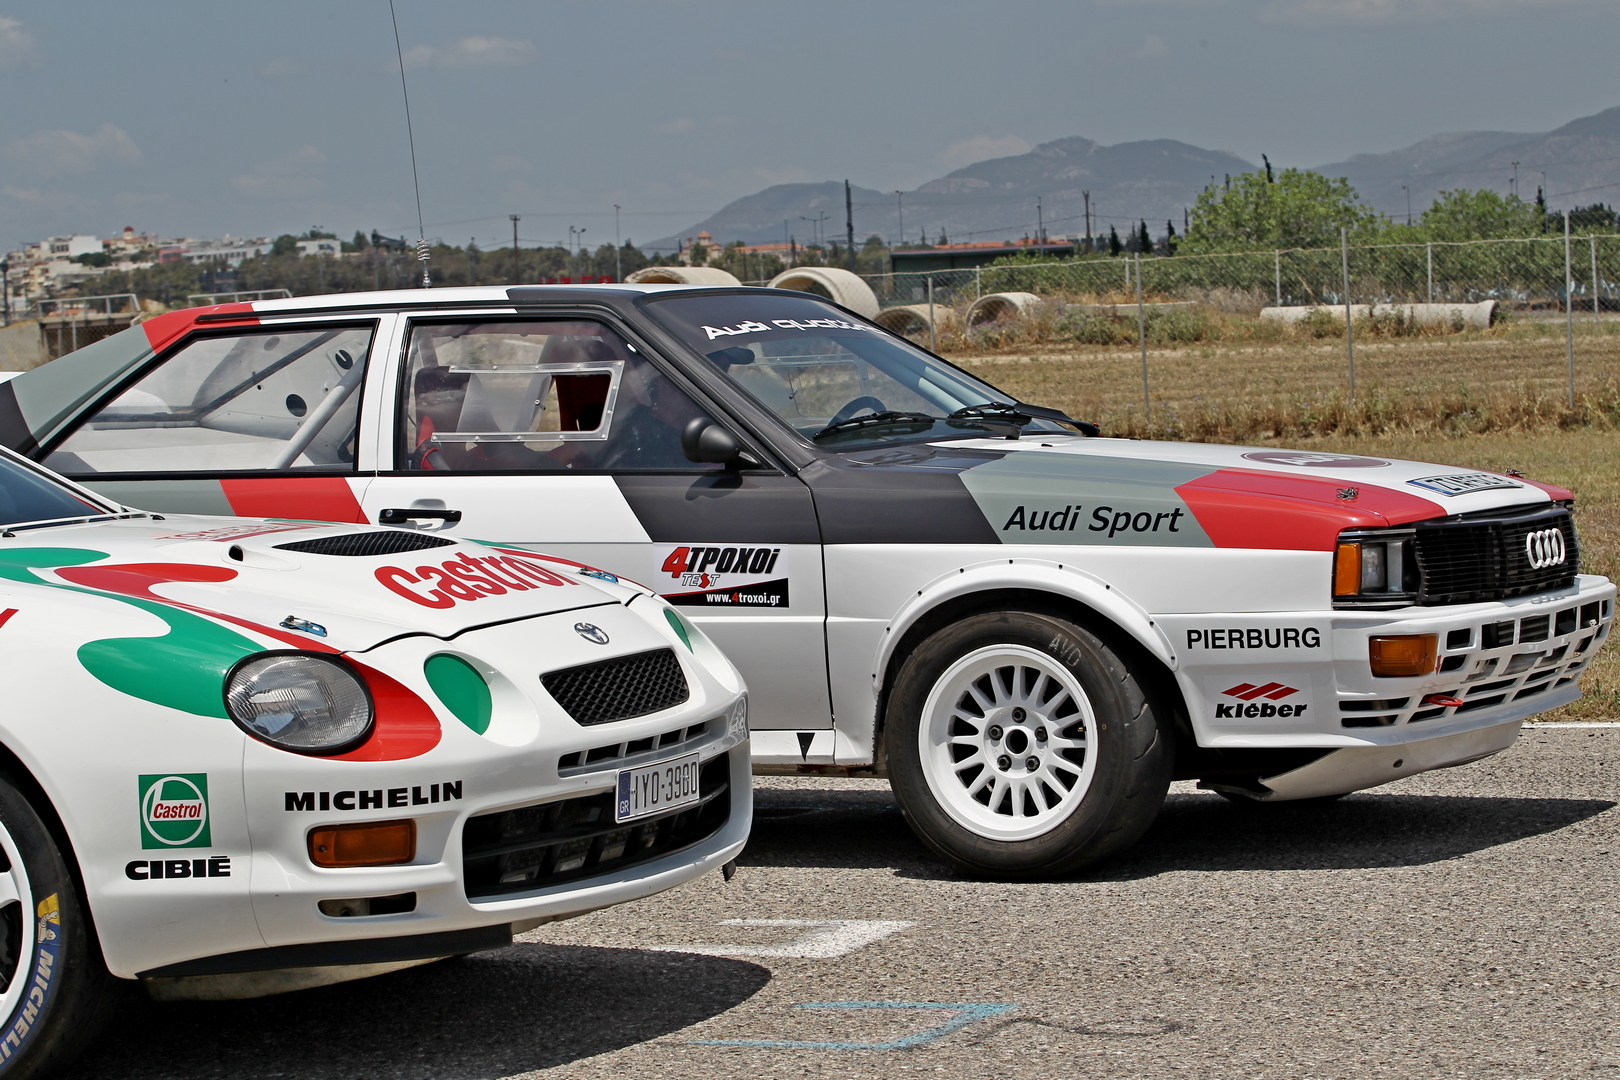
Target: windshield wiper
[(887, 417), (50, 523), (1020, 414)]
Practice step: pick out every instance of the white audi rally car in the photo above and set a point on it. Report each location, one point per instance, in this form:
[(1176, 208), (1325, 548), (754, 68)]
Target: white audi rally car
[(239, 757), (1028, 628)]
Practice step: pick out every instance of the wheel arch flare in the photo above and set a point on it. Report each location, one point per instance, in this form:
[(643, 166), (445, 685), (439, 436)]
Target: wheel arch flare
[(1068, 586)]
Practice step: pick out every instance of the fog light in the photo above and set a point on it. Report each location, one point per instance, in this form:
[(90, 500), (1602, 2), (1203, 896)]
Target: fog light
[(1403, 656), (379, 843)]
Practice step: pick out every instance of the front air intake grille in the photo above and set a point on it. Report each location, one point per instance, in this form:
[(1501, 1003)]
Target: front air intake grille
[(534, 847), (381, 542), (1495, 555), (620, 688)]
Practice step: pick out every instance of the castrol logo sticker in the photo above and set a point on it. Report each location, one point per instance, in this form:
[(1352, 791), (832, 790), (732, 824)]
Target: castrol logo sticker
[(466, 579), (174, 810)]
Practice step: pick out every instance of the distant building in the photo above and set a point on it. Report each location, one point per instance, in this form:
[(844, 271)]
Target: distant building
[(67, 247), (307, 248), (968, 256), (226, 251)]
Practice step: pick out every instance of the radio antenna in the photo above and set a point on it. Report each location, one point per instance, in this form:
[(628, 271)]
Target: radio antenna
[(421, 230)]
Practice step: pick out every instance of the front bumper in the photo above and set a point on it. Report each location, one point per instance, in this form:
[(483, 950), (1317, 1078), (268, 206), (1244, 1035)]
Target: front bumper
[(302, 932), (1302, 679), (513, 817)]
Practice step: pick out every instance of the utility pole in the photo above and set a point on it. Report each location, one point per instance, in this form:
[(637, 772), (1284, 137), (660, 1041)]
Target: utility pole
[(1408, 191), (900, 208), (849, 227), (618, 247), (1086, 195), (515, 279), (1515, 178), (1040, 223), (5, 286)]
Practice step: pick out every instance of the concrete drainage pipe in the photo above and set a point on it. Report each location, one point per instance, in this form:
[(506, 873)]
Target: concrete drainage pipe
[(912, 319), (1470, 316), (1001, 305), (681, 275), (830, 283)]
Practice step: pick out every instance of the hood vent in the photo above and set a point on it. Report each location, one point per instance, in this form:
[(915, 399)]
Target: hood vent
[(381, 542)]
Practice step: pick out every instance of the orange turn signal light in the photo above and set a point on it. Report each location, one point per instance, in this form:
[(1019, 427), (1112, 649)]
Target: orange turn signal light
[(1403, 656), (371, 843), (1347, 570)]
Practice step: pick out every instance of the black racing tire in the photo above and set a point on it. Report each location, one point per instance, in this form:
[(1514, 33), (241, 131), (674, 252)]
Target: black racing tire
[(1072, 775), (58, 993)]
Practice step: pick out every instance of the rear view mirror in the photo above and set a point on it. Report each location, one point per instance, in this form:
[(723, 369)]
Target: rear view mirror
[(704, 441)]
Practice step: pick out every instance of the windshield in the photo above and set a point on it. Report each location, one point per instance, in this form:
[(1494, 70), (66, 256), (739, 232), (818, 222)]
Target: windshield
[(27, 495), (840, 383)]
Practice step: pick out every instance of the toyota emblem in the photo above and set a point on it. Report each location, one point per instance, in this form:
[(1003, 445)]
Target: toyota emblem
[(598, 636), (1545, 548)]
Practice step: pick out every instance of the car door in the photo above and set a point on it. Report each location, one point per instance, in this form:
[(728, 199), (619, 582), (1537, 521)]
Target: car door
[(562, 434), (260, 421)]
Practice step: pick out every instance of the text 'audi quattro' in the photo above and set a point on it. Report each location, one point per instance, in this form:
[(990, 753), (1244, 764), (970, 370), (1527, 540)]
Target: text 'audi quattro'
[(240, 758), (1029, 628)]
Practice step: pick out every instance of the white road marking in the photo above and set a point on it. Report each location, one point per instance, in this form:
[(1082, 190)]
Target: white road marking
[(1571, 724), (823, 939)]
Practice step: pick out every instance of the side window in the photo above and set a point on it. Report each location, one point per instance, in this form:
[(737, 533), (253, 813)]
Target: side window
[(536, 396), (266, 400)]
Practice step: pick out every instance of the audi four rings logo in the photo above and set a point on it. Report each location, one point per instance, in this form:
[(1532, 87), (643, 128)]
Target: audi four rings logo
[(593, 633), (1545, 548)]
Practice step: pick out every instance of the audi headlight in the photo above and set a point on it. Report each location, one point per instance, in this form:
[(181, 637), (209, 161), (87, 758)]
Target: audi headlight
[(1375, 569), (305, 704)]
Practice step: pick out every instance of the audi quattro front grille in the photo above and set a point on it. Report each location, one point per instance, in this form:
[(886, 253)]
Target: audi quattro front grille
[(533, 847), (1496, 555), (620, 688)]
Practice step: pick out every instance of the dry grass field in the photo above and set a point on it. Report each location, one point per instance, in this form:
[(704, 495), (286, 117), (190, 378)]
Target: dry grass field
[(1508, 378), (1512, 381)]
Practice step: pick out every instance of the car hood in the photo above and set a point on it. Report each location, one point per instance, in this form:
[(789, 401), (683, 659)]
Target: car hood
[(1126, 492), (300, 583)]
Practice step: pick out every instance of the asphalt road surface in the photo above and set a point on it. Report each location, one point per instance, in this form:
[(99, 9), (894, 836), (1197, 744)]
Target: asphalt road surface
[(1458, 924)]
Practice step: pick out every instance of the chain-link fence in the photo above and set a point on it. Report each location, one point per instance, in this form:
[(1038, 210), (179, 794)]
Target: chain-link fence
[(1472, 336), (1522, 275)]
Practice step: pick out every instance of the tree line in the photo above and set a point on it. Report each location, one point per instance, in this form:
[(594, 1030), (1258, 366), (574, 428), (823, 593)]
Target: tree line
[(1263, 210)]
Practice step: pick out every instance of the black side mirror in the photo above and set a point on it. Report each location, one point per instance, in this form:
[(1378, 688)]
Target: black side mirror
[(705, 441)]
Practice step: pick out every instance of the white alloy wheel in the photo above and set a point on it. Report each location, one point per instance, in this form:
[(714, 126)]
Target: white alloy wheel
[(18, 926), (1007, 739)]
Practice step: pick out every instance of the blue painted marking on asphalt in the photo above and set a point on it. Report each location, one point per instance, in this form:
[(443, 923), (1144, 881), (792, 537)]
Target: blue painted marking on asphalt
[(965, 1015)]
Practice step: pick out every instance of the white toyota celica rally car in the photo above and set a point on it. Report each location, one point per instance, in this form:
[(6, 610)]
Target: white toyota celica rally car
[(1028, 628), (247, 756)]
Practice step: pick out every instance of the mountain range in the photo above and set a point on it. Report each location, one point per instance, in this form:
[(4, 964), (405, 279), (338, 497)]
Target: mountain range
[(1156, 181), (1579, 164)]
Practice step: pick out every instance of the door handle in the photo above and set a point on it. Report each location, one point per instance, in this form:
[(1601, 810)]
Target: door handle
[(399, 517)]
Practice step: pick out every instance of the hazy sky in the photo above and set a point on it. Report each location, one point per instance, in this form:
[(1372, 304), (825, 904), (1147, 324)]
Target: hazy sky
[(198, 119)]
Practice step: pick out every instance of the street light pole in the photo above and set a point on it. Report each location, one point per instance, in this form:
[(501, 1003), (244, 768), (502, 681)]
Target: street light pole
[(618, 247), (1408, 204), (515, 279)]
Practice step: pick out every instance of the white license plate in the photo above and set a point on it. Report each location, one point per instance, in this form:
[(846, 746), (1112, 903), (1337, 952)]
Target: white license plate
[(654, 789)]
